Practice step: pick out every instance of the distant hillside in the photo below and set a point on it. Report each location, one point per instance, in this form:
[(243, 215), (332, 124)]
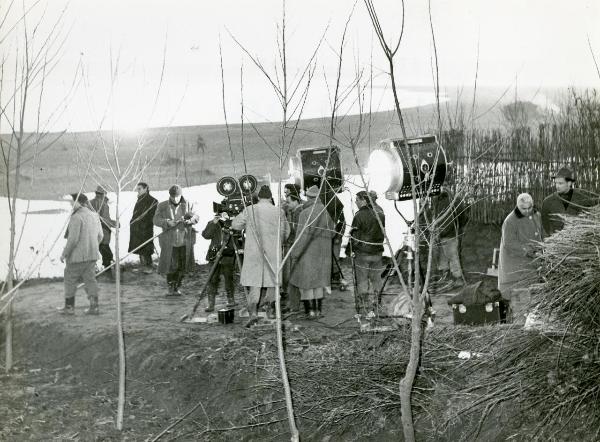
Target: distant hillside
[(193, 155)]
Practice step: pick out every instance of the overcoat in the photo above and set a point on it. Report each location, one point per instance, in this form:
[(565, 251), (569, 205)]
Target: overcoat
[(141, 227), (554, 206), (312, 251), (100, 205), (515, 268), (166, 240), (83, 236), (260, 222)]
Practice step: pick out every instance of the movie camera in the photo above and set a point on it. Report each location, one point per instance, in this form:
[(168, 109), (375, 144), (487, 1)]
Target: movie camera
[(237, 195)]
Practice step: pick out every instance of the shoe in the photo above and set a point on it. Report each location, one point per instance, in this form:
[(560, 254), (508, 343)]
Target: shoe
[(253, 320), (66, 311), (92, 310), (209, 309), (312, 315), (148, 271)]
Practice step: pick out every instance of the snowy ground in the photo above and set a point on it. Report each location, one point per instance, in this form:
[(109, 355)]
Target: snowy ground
[(41, 225)]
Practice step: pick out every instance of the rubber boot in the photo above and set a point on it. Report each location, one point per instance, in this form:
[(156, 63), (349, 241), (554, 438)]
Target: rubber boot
[(69, 308), (319, 307), (93, 308), (211, 303)]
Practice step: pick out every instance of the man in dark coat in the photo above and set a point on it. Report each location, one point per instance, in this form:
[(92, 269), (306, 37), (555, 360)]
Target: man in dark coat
[(214, 232), (367, 245), (567, 200), (100, 205), (294, 208), (141, 227), (335, 209), (176, 217)]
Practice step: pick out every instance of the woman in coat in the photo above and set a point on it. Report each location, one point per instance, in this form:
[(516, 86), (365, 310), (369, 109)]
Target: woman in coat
[(312, 252), (262, 255), (521, 229), (176, 217), (141, 227)]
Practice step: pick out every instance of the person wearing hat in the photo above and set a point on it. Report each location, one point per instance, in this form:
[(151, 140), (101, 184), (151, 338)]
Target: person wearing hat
[(521, 232), (567, 200), (312, 253), (176, 217), (100, 205), (80, 254), (367, 239), (376, 206), (262, 249)]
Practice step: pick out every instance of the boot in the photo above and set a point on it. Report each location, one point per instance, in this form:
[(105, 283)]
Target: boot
[(306, 308), (231, 300), (319, 307), (252, 311), (69, 308), (93, 309), (173, 290), (211, 303), (312, 314)]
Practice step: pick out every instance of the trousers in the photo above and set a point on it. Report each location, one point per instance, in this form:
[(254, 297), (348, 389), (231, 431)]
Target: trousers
[(447, 257), (107, 254), (224, 267), (177, 267), (367, 269), (77, 271)]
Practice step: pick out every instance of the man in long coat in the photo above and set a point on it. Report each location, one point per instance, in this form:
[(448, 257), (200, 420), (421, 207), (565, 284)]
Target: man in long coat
[(141, 227), (100, 205), (262, 249), (567, 200), (521, 229), (176, 217), (312, 252)]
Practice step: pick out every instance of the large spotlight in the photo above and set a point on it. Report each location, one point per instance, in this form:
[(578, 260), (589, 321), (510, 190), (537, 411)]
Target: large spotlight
[(389, 173), (312, 164)]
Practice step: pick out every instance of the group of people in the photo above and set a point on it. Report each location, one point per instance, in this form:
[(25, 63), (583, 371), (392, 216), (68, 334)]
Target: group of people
[(525, 228), (308, 232)]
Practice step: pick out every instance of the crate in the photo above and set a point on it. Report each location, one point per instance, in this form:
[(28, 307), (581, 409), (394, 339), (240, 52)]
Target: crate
[(480, 314)]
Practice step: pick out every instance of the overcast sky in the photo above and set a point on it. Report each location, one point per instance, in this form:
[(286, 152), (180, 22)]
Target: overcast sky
[(537, 43)]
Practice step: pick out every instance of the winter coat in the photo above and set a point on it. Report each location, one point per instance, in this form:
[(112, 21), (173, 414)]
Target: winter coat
[(293, 217), (100, 205), (167, 211), (141, 227), (84, 235), (367, 236), (312, 251), (454, 223), (515, 268), (553, 206), (214, 232), (260, 222)]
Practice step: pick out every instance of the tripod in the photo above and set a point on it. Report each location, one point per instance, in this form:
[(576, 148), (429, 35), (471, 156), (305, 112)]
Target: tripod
[(227, 236)]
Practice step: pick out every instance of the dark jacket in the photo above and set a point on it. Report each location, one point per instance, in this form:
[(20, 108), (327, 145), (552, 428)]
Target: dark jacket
[(293, 217), (367, 236), (554, 206), (335, 209), (455, 221), (100, 206), (214, 232), (141, 227)]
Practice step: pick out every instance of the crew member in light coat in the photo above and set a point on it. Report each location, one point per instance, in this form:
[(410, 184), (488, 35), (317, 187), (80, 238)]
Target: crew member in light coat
[(313, 253), (521, 233), (262, 249), (176, 217), (80, 254)]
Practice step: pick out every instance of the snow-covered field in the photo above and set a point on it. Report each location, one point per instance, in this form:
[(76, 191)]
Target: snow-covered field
[(41, 225)]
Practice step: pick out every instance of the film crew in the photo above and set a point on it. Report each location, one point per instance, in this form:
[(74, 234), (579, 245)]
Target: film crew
[(367, 245), (100, 205), (176, 217), (214, 231), (521, 230), (141, 227), (294, 208), (312, 253), (446, 239), (567, 200), (335, 208), (80, 254), (260, 221)]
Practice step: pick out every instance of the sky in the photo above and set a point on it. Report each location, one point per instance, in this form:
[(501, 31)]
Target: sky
[(127, 64)]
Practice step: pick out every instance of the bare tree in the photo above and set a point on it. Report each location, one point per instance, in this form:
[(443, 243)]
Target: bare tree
[(25, 66)]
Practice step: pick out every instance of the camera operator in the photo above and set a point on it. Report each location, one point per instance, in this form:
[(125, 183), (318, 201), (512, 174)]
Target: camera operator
[(217, 231)]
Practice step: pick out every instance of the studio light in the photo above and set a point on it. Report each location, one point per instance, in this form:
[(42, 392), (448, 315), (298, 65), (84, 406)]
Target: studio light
[(388, 168), (312, 164)]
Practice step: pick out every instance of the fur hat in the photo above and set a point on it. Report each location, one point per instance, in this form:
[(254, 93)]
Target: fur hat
[(265, 192), (312, 192), (101, 190), (80, 198), (565, 173), (175, 190)]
